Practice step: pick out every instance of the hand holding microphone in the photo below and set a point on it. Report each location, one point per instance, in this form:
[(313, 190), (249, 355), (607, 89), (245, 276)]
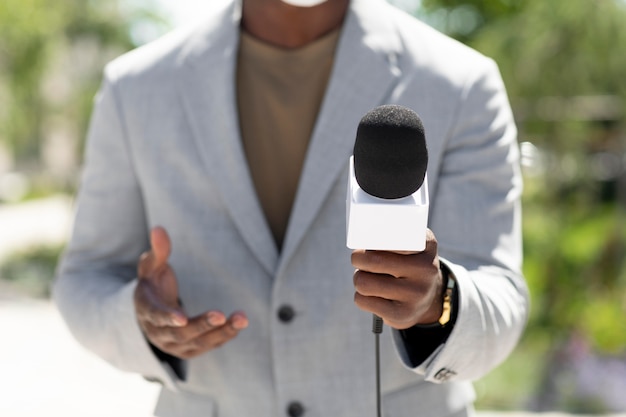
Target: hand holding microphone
[(398, 276), (402, 289)]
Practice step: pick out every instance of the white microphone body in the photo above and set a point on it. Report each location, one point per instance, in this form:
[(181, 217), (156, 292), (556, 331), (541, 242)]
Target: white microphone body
[(385, 224)]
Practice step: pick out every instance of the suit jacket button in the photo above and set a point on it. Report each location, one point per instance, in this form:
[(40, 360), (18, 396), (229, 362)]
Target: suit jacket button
[(444, 374), (295, 409), (286, 313)]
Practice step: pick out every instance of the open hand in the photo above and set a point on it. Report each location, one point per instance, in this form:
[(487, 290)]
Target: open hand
[(162, 318)]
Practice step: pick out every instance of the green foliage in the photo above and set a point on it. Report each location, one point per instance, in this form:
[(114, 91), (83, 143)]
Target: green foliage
[(512, 384), (463, 19), (563, 65), (31, 272), (559, 48), (560, 63), (51, 58), (576, 271), (24, 28)]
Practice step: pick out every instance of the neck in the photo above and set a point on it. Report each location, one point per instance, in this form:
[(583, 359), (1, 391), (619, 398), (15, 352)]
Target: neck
[(285, 26)]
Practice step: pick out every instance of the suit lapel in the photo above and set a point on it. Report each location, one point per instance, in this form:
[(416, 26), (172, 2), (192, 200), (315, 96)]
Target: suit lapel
[(364, 73), (208, 94)]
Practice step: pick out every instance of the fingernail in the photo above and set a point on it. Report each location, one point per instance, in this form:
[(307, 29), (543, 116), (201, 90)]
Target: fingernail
[(240, 323), (215, 319), (178, 321)]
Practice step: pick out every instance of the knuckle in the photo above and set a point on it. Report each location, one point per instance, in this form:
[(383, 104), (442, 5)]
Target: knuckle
[(228, 332), (165, 346), (358, 299), (397, 313), (376, 258), (363, 303), (151, 334), (219, 344), (144, 257), (198, 344), (356, 256), (363, 284), (214, 338), (178, 351), (203, 326), (176, 336), (143, 264), (366, 303), (416, 290), (189, 352), (357, 279)]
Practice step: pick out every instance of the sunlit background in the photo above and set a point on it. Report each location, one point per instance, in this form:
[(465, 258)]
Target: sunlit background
[(563, 63)]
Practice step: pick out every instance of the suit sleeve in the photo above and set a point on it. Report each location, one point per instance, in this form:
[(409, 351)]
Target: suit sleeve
[(96, 276), (476, 216)]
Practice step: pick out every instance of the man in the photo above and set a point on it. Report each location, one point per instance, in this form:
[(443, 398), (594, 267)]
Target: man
[(221, 154)]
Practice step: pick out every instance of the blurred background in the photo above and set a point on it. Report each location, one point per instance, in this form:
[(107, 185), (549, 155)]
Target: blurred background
[(564, 64)]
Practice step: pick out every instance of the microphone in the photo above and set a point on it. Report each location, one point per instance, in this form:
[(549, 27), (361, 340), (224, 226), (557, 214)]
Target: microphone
[(387, 201), (387, 197)]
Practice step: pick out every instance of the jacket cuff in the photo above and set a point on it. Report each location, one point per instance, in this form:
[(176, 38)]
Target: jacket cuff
[(133, 352), (421, 348)]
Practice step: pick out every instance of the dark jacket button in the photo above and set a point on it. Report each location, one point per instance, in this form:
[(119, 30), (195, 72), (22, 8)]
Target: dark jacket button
[(295, 409), (286, 313)]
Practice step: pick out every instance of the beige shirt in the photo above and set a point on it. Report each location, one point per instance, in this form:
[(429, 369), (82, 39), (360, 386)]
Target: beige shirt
[(279, 93)]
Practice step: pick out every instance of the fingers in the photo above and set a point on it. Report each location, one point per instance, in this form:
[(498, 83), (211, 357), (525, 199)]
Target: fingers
[(388, 287), (160, 315), (152, 308), (202, 333), (399, 264), (401, 309), (400, 302), (400, 287), (216, 336), (395, 314)]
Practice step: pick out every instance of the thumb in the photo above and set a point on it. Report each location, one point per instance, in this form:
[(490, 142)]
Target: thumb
[(161, 246), (156, 258)]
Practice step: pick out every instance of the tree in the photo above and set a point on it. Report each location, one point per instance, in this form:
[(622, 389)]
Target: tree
[(563, 65), (51, 57), (464, 19), (563, 68)]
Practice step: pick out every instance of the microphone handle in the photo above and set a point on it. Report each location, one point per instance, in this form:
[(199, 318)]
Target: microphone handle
[(377, 324), (377, 329)]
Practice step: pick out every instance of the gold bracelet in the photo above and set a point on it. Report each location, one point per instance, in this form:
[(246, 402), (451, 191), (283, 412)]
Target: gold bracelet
[(446, 314)]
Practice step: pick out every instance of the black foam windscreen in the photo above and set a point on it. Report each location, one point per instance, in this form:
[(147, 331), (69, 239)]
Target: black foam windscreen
[(390, 154)]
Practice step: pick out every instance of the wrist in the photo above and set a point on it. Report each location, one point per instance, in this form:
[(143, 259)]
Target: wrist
[(446, 302), (448, 295)]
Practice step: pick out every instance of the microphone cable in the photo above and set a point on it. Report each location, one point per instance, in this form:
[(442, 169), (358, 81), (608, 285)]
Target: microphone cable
[(377, 329)]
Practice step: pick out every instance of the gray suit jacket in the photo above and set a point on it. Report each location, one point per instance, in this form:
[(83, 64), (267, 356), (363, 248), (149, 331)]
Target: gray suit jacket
[(164, 149)]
